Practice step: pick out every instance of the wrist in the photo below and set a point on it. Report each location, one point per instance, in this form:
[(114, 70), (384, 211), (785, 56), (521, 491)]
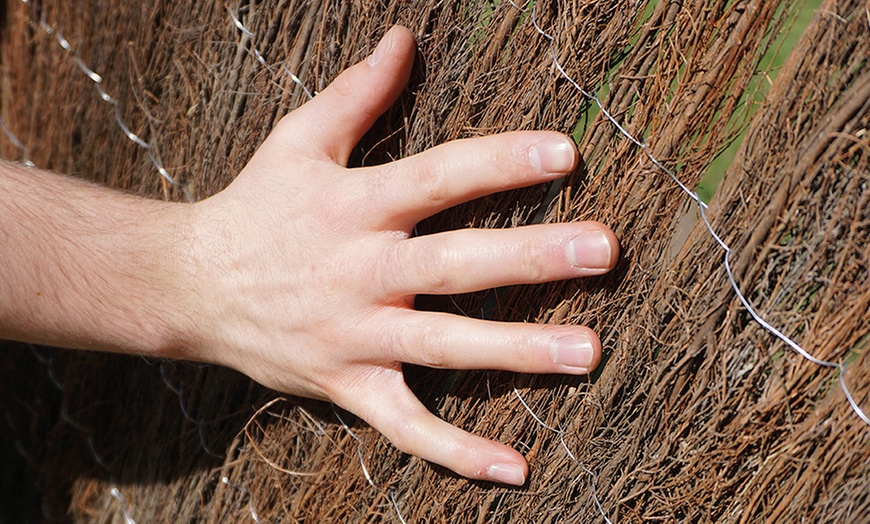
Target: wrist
[(168, 309), (193, 247)]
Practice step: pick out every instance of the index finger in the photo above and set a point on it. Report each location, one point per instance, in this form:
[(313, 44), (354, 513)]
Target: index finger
[(409, 190)]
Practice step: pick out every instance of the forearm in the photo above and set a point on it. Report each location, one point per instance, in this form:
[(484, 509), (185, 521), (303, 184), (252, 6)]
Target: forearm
[(83, 266)]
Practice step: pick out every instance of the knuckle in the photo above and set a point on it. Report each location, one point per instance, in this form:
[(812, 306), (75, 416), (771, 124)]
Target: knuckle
[(392, 340), (403, 434), (419, 266), (344, 83), (438, 271), (421, 343), (523, 351), (392, 269), (433, 182), (509, 161), (328, 208), (431, 345), (534, 262), (378, 181)]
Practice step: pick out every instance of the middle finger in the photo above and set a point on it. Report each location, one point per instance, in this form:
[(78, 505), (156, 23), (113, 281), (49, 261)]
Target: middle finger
[(474, 259)]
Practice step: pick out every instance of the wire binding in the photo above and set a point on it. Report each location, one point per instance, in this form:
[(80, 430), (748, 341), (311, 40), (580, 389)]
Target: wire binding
[(702, 208)]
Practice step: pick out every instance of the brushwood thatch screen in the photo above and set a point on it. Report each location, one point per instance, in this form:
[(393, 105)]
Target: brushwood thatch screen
[(697, 412)]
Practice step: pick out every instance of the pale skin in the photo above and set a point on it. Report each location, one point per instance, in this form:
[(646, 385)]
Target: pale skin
[(302, 274)]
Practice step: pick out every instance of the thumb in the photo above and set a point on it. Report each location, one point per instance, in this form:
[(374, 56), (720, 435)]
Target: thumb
[(331, 124)]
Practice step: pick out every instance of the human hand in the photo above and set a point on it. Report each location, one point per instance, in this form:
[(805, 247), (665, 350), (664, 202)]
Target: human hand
[(305, 272)]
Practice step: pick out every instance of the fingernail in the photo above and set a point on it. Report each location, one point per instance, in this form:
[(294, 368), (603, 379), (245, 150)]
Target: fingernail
[(382, 49), (591, 250), (574, 352), (555, 155), (506, 474)]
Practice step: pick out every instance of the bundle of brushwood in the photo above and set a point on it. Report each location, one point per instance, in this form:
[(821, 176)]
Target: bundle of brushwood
[(696, 414)]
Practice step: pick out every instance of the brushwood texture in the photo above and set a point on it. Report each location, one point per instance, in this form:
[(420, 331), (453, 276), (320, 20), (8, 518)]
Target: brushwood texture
[(697, 414)]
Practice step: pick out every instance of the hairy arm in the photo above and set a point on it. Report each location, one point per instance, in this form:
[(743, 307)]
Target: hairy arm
[(86, 267)]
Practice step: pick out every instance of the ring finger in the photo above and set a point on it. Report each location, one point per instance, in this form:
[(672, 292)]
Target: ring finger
[(441, 340)]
